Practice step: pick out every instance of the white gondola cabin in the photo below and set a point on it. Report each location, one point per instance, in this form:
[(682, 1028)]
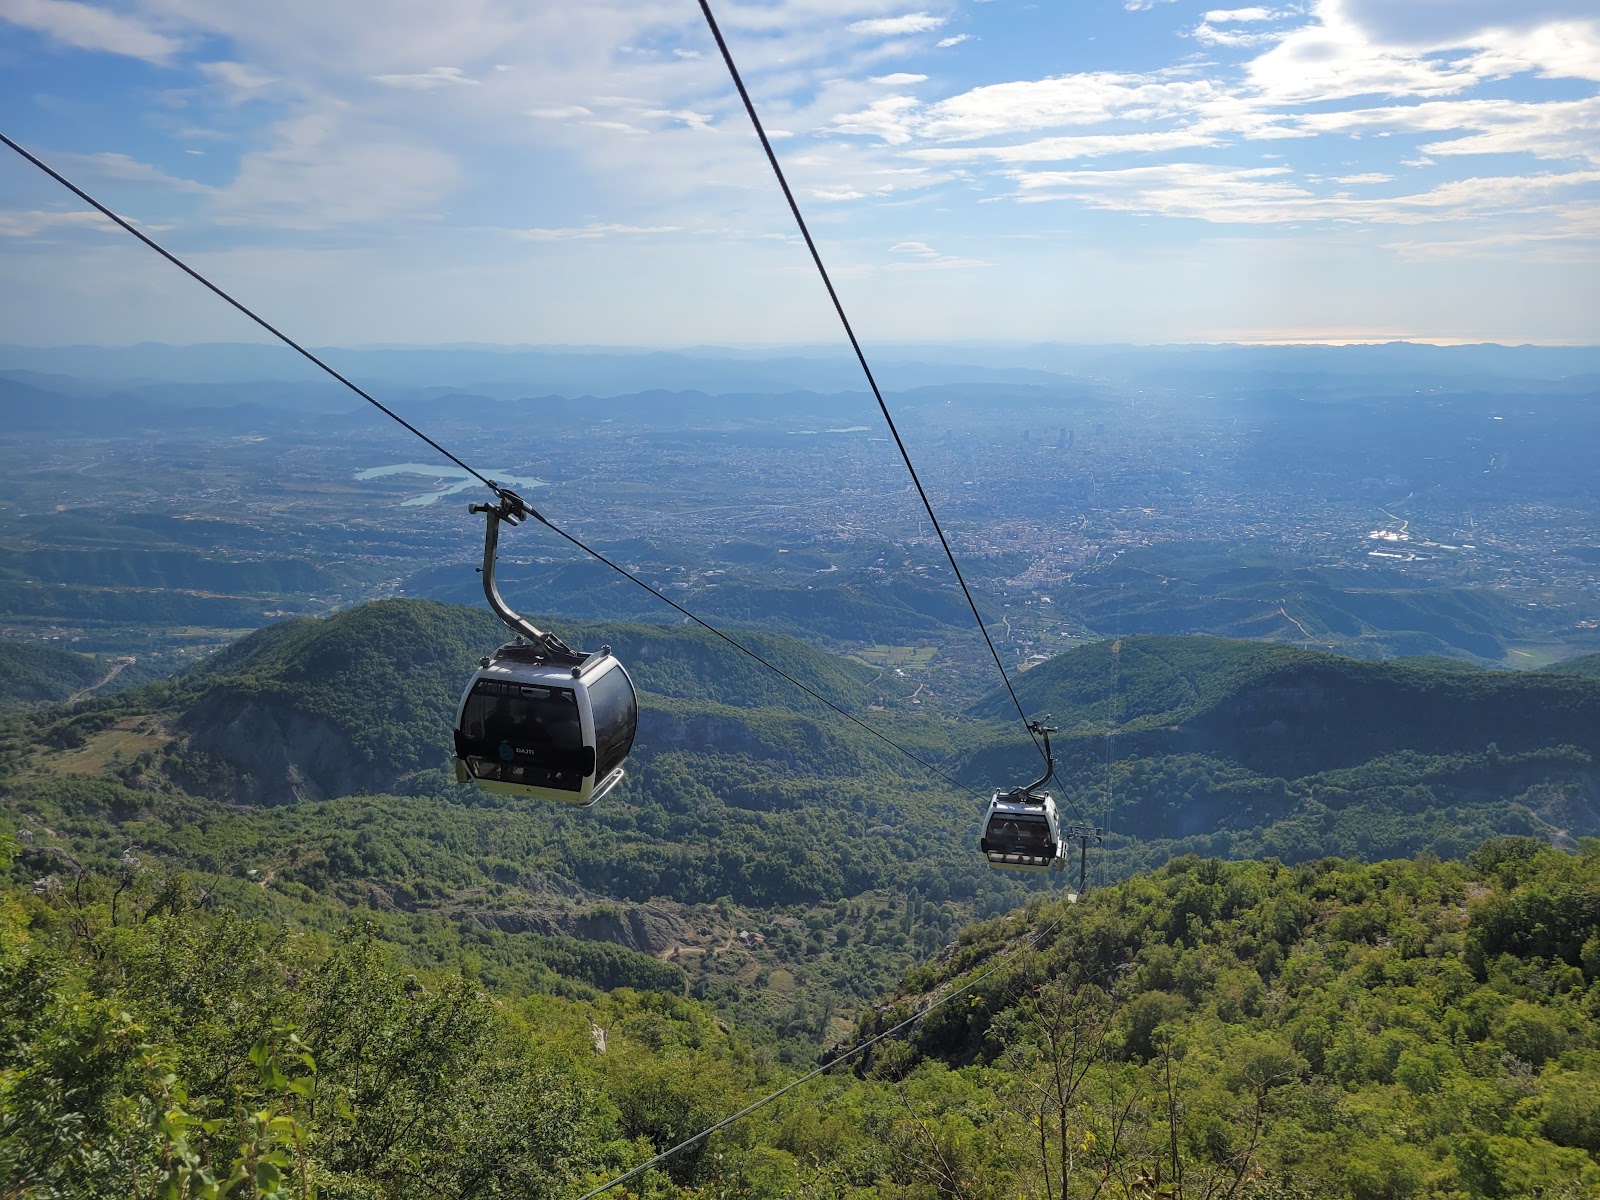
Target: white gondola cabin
[(540, 719), (532, 728), (1021, 831)]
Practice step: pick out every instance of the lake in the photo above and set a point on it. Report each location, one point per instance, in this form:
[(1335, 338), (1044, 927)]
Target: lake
[(448, 481)]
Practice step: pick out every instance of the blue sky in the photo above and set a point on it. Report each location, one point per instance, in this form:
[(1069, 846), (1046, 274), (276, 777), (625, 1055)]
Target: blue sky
[(407, 171)]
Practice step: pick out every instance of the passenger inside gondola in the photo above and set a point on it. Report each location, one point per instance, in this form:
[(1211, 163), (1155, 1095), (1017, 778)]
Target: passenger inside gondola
[(1021, 835), (522, 733)]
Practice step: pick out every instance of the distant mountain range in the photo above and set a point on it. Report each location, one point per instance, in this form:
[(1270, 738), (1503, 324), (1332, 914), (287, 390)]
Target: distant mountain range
[(1280, 709), (309, 759), (579, 371), (1238, 744)]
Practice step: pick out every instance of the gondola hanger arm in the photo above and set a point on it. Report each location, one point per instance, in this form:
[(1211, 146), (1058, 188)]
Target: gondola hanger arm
[(1044, 731), (512, 509)]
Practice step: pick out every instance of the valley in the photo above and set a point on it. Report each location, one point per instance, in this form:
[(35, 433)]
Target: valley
[(302, 773), (167, 518), (1285, 693)]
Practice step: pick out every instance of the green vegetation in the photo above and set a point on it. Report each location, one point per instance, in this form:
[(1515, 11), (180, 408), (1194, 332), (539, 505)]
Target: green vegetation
[(132, 606), (305, 766), (1587, 664), (911, 658), (1340, 1030), (1333, 1029), (741, 810), (846, 607), (1249, 592), (133, 567), (1244, 749), (1276, 704), (34, 674)]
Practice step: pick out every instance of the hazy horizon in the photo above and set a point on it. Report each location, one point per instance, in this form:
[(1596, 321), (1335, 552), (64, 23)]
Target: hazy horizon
[(815, 347)]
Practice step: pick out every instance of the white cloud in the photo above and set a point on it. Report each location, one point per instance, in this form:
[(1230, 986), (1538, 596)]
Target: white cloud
[(627, 154), (1550, 129), (690, 118), (1570, 50), (434, 77), (1142, 5), (1334, 60), (890, 118), (1229, 16), (1207, 35), (30, 224), (562, 112), (1439, 23), (1266, 195), (1081, 99), (236, 76), (919, 256), (1059, 149), (585, 232), (322, 170), (124, 169), (90, 28), (940, 262), (837, 193), (1560, 234), (920, 22)]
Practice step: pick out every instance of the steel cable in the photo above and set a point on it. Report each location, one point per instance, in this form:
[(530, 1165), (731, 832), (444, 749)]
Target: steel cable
[(485, 480), (855, 344), (858, 1048)]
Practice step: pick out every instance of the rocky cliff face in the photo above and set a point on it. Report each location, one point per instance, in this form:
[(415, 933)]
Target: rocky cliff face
[(647, 928), (282, 755)]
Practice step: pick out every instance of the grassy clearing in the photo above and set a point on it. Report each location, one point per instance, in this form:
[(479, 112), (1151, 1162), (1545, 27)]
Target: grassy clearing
[(123, 742), (1529, 656), (905, 658)]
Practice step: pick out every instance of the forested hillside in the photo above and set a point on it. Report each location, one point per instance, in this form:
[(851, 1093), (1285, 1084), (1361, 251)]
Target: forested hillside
[(1257, 591), (269, 770), (34, 674), (1336, 1030), (359, 701), (1245, 748), (1587, 664), (302, 773)]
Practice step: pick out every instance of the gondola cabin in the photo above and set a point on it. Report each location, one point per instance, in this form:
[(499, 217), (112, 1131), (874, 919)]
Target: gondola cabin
[(1021, 832), (528, 726)]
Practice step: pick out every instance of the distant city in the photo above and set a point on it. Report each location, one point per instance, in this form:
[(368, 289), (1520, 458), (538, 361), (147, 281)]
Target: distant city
[(1374, 500)]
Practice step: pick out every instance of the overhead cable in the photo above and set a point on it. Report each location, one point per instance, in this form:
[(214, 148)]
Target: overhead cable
[(855, 344), (485, 480), (849, 1054), (771, 666), (206, 283)]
